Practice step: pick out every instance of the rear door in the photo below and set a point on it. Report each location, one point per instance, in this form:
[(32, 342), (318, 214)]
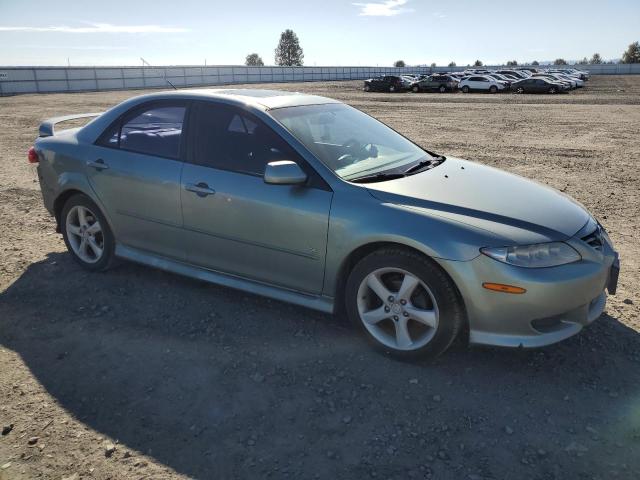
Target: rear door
[(136, 172), (236, 223)]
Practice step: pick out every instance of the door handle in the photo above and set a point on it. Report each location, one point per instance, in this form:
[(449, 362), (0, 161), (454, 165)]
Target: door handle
[(98, 164), (201, 189)]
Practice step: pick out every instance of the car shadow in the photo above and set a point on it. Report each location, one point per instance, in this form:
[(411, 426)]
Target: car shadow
[(216, 383)]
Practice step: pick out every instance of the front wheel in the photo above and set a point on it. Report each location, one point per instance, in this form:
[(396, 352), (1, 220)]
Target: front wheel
[(404, 303), (367, 88), (493, 89), (442, 89), (465, 89), (87, 234), (552, 90), (415, 89), (520, 90), (392, 88)]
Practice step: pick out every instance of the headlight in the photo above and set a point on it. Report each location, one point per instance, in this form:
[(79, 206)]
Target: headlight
[(534, 256)]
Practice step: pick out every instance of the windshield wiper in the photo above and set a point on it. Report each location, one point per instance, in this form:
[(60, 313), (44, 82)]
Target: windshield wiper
[(378, 177), (431, 162)]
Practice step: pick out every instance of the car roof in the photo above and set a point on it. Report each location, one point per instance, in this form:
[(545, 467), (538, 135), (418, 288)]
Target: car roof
[(260, 98)]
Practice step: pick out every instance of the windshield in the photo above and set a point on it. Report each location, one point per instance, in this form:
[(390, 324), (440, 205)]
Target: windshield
[(348, 141)]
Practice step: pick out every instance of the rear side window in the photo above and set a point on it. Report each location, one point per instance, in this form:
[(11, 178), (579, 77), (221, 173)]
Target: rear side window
[(156, 130)]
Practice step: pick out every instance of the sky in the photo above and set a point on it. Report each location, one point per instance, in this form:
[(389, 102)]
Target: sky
[(331, 32)]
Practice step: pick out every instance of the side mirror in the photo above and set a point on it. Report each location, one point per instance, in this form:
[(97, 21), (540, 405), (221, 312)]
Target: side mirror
[(284, 172)]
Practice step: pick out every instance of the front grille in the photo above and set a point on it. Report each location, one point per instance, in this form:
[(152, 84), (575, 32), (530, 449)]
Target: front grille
[(594, 239)]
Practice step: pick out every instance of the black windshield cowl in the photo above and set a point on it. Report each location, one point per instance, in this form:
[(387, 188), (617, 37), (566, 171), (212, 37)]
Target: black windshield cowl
[(424, 165), (378, 177)]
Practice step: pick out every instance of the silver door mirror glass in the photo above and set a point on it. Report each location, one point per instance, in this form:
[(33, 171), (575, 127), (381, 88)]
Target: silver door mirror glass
[(284, 172)]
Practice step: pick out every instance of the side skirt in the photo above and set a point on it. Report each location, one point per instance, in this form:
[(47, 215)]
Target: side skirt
[(316, 302)]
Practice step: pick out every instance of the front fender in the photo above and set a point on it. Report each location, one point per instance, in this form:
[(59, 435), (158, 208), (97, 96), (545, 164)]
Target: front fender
[(361, 222)]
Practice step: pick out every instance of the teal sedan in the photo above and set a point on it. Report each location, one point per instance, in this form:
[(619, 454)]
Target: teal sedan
[(307, 200)]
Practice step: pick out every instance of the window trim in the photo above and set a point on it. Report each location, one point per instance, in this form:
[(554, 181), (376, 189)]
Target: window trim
[(134, 111)]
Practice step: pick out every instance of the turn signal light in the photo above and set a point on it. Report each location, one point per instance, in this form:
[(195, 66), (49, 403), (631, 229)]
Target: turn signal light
[(499, 287), (32, 155)]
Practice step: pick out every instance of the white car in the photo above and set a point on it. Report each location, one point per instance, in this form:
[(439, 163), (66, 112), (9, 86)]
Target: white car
[(568, 76), (481, 83)]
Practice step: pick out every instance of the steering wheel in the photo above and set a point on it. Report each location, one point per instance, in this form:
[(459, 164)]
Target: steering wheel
[(359, 151)]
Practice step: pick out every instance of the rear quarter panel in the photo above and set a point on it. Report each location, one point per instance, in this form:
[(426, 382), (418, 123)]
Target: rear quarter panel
[(62, 168)]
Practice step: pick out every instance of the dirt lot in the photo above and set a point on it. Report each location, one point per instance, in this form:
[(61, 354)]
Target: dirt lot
[(187, 379)]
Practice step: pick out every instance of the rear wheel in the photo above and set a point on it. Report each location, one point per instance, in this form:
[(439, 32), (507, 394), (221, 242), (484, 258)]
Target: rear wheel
[(367, 88), (520, 90), (392, 88), (493, 89), (415, 88), (87, 234), (404, 303), (442, 89), (465, 89), (552, 90)]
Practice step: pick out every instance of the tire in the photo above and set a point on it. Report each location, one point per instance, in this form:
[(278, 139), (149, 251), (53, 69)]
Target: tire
[(520, 90), (442, 89), (552, 90), (493, 89), (392, 89), (82, 242), (434, 300), (415, 89), (367, 88), (465, 89)]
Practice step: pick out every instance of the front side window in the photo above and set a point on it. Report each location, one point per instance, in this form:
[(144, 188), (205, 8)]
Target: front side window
[(153, 131), (227, 138), (348, 141)]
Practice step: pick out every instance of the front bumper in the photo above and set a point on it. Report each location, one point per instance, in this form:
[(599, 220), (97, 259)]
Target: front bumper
[(558, 303)]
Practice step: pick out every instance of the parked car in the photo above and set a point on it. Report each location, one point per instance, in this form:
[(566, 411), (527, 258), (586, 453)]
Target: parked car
[(407, 81), (578, 83), (515, 73), (581, 74), (307, 200), (538, 85), (436, 83), (385, 83), (528, 69), (569, 84), (482, 83), (501, 78)]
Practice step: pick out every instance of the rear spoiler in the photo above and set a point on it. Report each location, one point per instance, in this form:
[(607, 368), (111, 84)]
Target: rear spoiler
[(47, 128)]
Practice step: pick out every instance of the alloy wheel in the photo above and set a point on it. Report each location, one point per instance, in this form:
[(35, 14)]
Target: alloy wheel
[(397, 309), (85, 234)]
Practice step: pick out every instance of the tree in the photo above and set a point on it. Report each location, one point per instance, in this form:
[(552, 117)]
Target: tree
[(512, 63), (560, 61), (254, 60), (452, 64), (584, 61), (596, 59), (632, 55), (399, 63), (289, 52), (433, 65), (535, 62), (477, 63)]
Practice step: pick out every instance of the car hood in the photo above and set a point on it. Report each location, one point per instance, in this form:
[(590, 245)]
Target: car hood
[(502, 203)]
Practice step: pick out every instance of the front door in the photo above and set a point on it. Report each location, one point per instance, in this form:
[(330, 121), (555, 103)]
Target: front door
[(135, 171), (236, 223)]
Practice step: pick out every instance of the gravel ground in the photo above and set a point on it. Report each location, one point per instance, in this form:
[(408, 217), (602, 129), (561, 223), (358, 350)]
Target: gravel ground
[(140, 374)]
